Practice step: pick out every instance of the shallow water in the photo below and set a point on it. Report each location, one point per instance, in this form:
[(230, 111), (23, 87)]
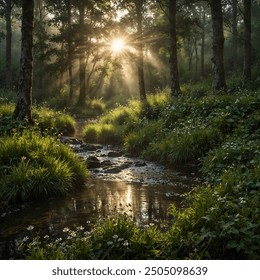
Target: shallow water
[(140, 189)]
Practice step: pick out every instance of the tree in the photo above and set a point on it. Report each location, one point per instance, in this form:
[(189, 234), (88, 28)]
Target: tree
[(135, 20), (82, 59), (41, 48), (174, 73), (62, 21), (234, 35), (7, 6), (219, 82), (139, 6), (247, 39), (24, 95), (203, 35)]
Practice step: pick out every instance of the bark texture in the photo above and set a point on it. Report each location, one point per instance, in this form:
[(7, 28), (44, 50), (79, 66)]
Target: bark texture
[(70, 51), (8, 59), (219, 82), (247, 40), (174, 73), (24, 95), (82, 61), (234, 35)]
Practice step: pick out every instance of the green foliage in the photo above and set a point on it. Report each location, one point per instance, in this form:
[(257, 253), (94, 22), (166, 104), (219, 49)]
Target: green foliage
[(46, 119), (54, 121), (180, 146), (217, 225), (112, 126), (92, 109), (7, 96), (6, 109), (101, 133), (136, 140), (221, 218), (32, 167), (117, 237)]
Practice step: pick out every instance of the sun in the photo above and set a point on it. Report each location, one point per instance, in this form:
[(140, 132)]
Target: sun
[(117, 45)]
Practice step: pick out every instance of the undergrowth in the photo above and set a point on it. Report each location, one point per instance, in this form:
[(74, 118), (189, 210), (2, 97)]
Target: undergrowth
[(46, 119), (33, 167)]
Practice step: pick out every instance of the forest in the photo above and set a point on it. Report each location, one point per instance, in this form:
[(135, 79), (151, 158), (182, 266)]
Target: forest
[(129, 129)]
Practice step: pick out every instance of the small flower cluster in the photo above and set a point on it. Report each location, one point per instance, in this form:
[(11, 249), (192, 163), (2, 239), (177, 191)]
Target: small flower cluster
[(33, 242), (117, 241)]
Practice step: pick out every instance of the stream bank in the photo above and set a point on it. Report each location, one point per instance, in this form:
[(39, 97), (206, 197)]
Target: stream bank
[(118, 183)]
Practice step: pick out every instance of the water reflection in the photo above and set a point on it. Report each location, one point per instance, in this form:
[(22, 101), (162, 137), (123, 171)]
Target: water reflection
[(97, 200)]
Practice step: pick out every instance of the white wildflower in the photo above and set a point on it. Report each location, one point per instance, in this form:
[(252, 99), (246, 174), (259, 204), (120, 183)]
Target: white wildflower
[(30, 228), (58, 240), (110, 243), (80, 228), (73, 234), (66, 229), (26, 238), (115, 236)]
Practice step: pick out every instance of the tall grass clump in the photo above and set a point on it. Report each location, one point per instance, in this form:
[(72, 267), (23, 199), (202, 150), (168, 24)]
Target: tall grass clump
[(54, 121), (46, 119), (112, 127), (33, 167), (91, 109)]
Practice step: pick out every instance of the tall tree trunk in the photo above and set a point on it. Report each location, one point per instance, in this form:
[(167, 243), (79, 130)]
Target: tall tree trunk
[(190, 55), (24, 95), (70, 51), (39, 51), (196, 58), (202, 53), (174, 73), (82, 61), (219, 81), (140, 57), (234, 35), (247, 40), (8, 59)]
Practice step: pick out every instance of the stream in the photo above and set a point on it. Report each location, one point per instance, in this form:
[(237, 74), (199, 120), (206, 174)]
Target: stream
[(118, 183)]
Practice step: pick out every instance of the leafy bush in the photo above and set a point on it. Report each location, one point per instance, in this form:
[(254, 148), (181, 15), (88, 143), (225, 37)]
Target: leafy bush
[(32, 167)]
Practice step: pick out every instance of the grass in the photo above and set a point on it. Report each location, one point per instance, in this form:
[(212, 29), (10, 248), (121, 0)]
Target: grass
[(112, 125), (45, 118), (54, 121), (221, 134), (34, 167), (117, 237), (221, 218)]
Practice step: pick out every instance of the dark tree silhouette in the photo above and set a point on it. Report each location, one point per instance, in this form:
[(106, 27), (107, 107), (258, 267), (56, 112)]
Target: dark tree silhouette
[(24, 95), (247, 39), (174, 73), (219, 82)]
